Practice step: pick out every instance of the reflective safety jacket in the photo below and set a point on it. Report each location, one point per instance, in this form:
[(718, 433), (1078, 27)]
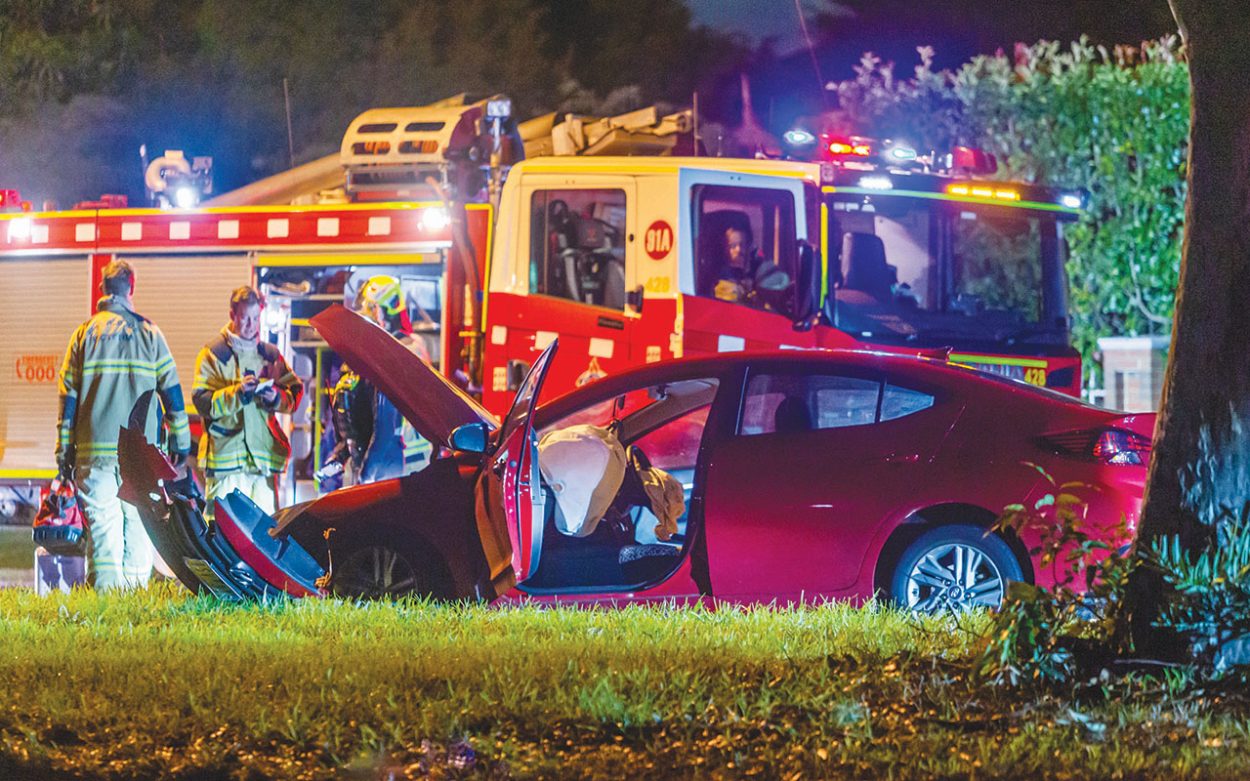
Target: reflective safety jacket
[(240, 430), (112, 360), (371, 430)]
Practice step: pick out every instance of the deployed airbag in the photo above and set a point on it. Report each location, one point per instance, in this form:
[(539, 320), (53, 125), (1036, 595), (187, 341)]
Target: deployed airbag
[(584, 467)]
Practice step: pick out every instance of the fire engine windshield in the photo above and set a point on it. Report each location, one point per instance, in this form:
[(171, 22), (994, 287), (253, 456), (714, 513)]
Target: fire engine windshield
[(933, 272)]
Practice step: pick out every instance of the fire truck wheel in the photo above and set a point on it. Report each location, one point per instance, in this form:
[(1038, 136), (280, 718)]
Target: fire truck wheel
[(375, 568)]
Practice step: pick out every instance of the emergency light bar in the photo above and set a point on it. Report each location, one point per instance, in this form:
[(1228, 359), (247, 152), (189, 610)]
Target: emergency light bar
[(834, 147), (971, 160), (858, 152), (11, 200), (983, 191), (858, 180)]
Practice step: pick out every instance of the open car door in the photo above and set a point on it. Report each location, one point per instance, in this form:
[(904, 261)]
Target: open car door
[(509, 497)]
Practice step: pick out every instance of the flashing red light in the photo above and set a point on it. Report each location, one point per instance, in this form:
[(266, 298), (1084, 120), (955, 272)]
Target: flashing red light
[(9, 199), (843, 146), (976, 161)]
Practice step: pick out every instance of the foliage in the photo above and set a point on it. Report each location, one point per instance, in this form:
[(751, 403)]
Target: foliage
[(207, 77), (1055, 635), (1114, 123), (163, 684), (1209, 603)]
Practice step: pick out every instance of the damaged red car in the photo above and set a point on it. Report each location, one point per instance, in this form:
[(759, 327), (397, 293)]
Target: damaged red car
[(792, 477)]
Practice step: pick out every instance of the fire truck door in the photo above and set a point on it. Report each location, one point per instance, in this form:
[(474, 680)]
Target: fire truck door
[(578, 256)]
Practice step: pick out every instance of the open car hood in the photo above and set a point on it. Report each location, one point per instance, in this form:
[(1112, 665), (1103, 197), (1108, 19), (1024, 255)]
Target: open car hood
[(432, 404)]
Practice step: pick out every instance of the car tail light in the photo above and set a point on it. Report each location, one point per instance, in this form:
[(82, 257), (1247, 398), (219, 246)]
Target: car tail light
[(1109, 446), (1116, 446)]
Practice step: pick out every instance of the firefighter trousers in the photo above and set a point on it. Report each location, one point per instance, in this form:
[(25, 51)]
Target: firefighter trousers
[(119, 553), (253, 485)]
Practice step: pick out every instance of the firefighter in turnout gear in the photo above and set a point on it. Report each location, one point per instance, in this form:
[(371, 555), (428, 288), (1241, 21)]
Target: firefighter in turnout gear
[(241, 383), (368, 427), (113, 359)]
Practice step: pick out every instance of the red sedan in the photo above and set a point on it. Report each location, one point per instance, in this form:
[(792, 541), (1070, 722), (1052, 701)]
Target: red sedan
[(786, 476)]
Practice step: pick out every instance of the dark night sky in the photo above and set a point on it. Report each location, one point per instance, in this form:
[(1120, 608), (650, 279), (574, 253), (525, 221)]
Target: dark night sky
[(785, 85), (958, 29), (754, 19)]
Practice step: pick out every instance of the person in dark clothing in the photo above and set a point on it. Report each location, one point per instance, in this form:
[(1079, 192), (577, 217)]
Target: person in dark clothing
[(369, 430)]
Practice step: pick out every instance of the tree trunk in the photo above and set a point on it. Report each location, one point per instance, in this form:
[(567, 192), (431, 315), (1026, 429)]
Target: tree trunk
[(1201, 455)]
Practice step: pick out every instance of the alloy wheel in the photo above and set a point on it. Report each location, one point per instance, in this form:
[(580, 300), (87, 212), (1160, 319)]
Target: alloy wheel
[(953, 577), (376, 572)]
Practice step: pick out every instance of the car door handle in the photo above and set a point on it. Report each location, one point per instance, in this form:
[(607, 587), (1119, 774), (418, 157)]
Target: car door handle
[(902, 458)]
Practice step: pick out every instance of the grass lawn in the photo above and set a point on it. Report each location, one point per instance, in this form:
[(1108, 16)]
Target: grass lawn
[(167, 685), (17, 550)]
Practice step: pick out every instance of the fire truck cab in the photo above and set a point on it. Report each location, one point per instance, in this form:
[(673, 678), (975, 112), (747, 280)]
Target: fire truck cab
[(627, 261)]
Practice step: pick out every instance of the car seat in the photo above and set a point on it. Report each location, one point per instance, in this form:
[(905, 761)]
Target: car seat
[(866, 269), (642, 563)]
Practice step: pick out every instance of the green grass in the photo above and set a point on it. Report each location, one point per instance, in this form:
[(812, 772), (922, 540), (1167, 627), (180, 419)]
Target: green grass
[(163, 684), (17, 550)]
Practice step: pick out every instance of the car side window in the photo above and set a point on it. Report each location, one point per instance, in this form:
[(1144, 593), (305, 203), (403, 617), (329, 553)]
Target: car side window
[(792, 403), (899, 402), (577, 246)]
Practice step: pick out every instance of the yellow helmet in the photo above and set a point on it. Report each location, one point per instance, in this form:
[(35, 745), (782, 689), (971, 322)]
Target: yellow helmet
[(382, 293)]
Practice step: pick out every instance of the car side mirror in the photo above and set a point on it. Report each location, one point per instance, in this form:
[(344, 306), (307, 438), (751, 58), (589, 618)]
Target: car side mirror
[(470, 438), (807, 291)]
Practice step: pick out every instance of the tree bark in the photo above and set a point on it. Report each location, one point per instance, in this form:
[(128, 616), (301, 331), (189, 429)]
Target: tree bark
[(1201, 453)]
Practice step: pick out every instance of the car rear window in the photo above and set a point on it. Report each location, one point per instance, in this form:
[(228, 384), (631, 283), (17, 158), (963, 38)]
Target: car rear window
[(900, 402)]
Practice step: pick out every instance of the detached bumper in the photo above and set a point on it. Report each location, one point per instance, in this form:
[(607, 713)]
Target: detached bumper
[(236, 558)]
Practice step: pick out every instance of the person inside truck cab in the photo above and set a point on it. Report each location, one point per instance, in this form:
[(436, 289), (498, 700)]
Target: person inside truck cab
[(745, 275), (739, 262)]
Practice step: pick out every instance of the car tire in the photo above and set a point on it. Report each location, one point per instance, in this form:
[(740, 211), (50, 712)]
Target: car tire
[(954, 568), (373, 568)]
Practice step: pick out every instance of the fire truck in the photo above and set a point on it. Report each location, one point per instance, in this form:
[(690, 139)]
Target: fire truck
[(609, 233)]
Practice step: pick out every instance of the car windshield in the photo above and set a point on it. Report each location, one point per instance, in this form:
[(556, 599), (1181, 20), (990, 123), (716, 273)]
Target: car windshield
[(929, 273)]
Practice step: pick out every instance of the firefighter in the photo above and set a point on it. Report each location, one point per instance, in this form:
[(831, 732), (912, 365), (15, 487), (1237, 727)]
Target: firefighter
[(112, 360), (241, 383), (368, 428)]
